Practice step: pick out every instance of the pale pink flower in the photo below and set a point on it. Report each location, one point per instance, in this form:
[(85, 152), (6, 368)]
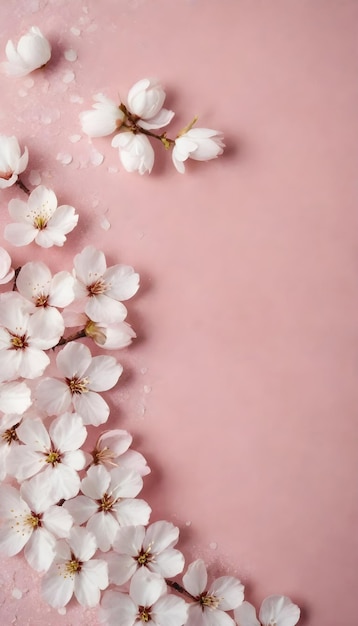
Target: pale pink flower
[(75, 572), (200, 144), (108, 336), (103, 119), (14, 397), (135, 152), (153, 548), (32, 521), (83, 377), (103, 289), (274, 611), (108, 502), (6, 271), (40, 220), (24, 337), (112, 450), (209, 609), (32, 51), (12, 162), (55, 453), (147, 602)]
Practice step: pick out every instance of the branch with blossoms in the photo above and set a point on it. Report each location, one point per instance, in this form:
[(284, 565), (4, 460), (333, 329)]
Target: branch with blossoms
[(72, 511)]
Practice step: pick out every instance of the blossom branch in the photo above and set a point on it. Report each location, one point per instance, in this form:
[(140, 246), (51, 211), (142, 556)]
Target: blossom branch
[(174, 585), (80, 334), (23, 187)]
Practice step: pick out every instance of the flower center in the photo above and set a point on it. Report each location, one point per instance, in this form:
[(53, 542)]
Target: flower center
[(106, 503), (143, 614), (73, 567), (10, 435), (40, 221), (18, 342), (104, 455), (77, 385), (144, 556), (41, 300), (209, 601), (96, 288), (33, 520), (53, 457)]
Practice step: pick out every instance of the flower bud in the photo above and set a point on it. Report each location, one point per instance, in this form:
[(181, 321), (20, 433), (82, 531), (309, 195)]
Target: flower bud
[(32, 51)]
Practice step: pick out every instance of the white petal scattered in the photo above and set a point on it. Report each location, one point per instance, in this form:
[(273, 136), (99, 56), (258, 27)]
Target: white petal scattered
[(213, 545), (16, 593), (70, 55), (64, 158), (105, 223), (188, 523), (74, 138), (75, 31), (113, 170), (147, 388), (68, 77), (62, 611), (96, 158), (35, 178), (29, 82), (22, 93), (76, 99)]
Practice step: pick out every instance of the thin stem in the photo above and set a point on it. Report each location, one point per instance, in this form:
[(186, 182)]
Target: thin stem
[(179, 588), (14, 287), (23, 187), (79, 335)]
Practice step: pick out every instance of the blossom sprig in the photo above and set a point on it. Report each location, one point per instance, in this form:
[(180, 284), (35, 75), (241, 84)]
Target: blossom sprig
[(134, 123)]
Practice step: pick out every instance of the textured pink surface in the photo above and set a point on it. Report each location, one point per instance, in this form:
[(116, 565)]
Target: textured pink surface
[(242, 387)]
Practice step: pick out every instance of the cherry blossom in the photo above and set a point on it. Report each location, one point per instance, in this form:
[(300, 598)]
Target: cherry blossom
[(224, 594), (6, 271), (40, 220), (200, 144), (153, 548), (135, 152), (113, 336), (32, 520), (103, 289), (55, 453), (24, 337), (83, 377), (148, 602), (145, 100), (32, 51), (36, 283), (274, 611), (108, 502), (15, 397), (112, 450), (75, 572), (12, 162), (104, 119)]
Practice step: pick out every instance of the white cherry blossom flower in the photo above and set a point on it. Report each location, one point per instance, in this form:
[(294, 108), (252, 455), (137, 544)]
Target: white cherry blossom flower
[(148, 602), (83, 377), (104, 119), (145, 100), (24, 337), (40, 220), (224, 594), (103, 289), (32, 51), (200, 144), (153, 548), (32, 521), (12, 162), (113, 336), (55, 454), (108, 502), (274, 611), (112, 450), (14, 397), (75, 572), (6, 271), (135, 152)]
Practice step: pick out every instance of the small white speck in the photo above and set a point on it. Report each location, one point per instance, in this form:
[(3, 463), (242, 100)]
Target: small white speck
[(70, 55), (29, 82), (16, 593), (64, 158), (76, 99), (188, 523), (105, 223), (68, 77), (22, 93), (213, 545), (113, 170), (147, 388), (141, 410), (35, 177), (96, 158), (74, 138), (143, 370), (75, 31), (62, 611)]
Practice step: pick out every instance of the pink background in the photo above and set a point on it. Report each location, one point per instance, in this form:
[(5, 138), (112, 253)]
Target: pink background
[(241, 389)]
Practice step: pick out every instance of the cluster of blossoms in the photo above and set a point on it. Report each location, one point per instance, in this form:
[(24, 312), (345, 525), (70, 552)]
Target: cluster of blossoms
[(74, 510)]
